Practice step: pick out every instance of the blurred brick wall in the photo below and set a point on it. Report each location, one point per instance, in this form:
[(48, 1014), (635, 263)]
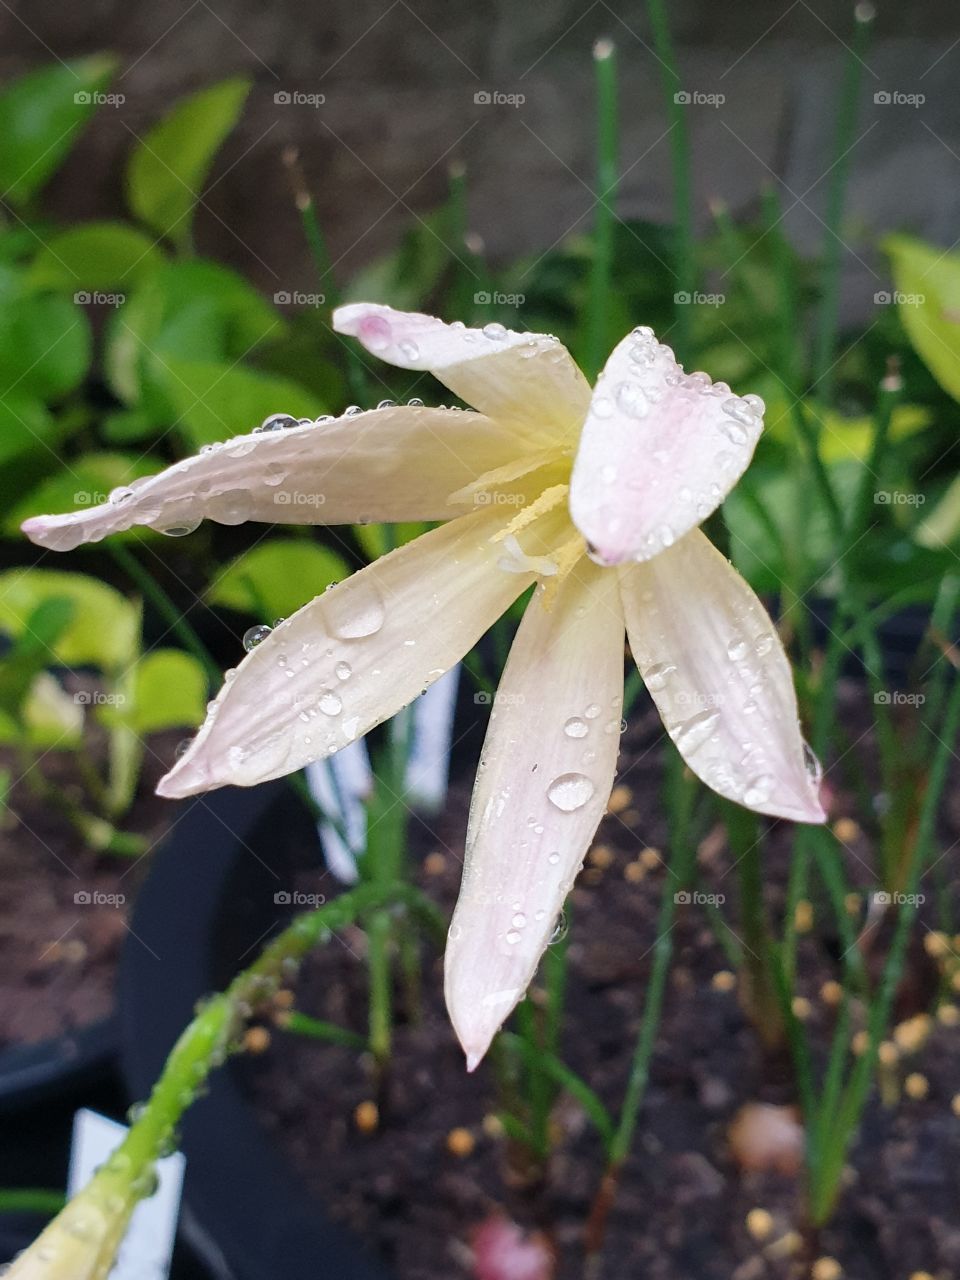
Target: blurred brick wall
[(400, 78)]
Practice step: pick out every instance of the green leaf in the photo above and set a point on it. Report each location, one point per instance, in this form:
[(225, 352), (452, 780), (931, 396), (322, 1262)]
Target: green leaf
[(32, 650), (928, 301), (941, 528), (49, 717), (45, 342), (85, 483), (103, 631), (169, 692), (277, 577), (843, 438), (409, 274), (189, 311), (167, 170), (215, 401), (98, 255), (25, 426), (377, 539), (41, 116)]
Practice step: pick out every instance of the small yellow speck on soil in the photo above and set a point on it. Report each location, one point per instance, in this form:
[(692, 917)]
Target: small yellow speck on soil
[(283, 999), (620, 798), (256, 1039), (760, 1224), (801, 1007), (831, 992), (723, 980), (601, 855), (651, 858), (434, 864), (948, 1015), (826, 1269), (853, 904), (916, 1086), (936, 944), (860, 1043), (366, 1116), (492, 1125), (460, 1142), (955, 1104), (846, 830), (634, 872), (888, 1053)]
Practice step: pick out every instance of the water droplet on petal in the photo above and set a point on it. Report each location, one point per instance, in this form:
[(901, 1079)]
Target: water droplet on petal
[(759, 789), (355, 610), (496, 332), (122, 493), (570, 791), (343, 670), (559, 930), (576, 728), (409, 350), (763, 644), (330, 704), (690, 735), (737, 650), (277, 421), (180, 530), (631, 400), (655, 677), (256, 635)]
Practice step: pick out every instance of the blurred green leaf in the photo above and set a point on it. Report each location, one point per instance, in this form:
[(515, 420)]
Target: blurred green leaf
[(104, 630), (25, 425), (408, 276), (277, 577), (168, 168), (843, 438), (215, 401), (377, 539), (168, 691), (941, 528), (32, 650), (45, 342), (186, 311), (49, 717), (41, 116), (98, 255), (928, 284), (84, 482)]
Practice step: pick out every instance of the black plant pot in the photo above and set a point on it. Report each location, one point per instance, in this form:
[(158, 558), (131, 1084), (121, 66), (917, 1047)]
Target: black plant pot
[(203, 913), (59, 1066)]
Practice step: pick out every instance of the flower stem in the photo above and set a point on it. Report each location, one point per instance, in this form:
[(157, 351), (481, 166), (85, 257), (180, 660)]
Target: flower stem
[(605, 65)]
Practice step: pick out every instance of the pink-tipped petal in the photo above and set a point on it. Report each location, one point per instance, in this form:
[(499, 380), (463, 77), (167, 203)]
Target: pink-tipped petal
[(398, 463), (713, 662), (542, 787), (660, 450), (528, 380), (352, 657)]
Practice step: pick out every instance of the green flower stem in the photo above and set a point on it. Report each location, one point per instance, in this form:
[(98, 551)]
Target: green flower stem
[(30, 1200), (686, 268), (826, 334), (759, 986), (680, 798), (214, 1033), (605, 64), (302, 1024)]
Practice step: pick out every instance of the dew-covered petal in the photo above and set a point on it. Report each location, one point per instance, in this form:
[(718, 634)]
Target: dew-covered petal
[(397, 463), (713, 662), (542, 787), (660, 450), (528, 380), (352, 657)]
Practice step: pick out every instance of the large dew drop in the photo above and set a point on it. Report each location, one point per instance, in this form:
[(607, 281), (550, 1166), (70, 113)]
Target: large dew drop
[(255, 635), (570, 791), (355, 611), (690, 735)]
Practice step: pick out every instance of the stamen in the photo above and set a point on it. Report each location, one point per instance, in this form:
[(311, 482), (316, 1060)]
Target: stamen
[(549, 499), (503, 475)]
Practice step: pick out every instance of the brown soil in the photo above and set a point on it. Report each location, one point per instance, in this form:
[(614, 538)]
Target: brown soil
[(64, 909), (683, 1202)]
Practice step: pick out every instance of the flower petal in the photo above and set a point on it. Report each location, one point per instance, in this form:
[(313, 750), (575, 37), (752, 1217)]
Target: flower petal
[(528, 380), (711, 658), (659, 451), (542, 787), (398, 463), (352, 657)]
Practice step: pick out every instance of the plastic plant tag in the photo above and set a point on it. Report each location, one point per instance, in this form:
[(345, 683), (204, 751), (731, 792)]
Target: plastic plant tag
[(148, 1245)]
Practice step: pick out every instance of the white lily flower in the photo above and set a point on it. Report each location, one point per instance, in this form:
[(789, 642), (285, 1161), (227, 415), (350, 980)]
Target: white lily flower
[(596, 498)]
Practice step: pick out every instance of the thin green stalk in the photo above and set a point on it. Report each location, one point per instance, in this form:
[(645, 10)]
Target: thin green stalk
[(30, 1200), (745, 847), (829, 314), (175, 620), (302, 1024), (605, 64), (563, 1076), (686, 269)]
